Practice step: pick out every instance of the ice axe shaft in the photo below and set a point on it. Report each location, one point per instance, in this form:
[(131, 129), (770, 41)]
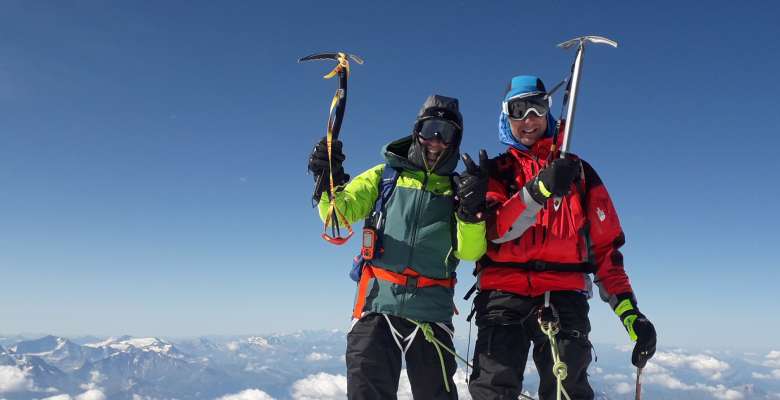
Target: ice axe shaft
[(574, 83), (638, 392)]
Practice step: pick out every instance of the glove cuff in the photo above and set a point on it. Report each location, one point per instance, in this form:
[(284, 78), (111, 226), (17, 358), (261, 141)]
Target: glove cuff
[(538, 191), (628, 312), (469, 217)]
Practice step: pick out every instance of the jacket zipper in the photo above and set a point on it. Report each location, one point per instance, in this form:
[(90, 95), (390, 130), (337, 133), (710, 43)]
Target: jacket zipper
[(417, 209), (412, 242)]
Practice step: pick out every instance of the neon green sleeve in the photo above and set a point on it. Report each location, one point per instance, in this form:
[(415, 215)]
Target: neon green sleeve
[(472, 244), (356, 200)]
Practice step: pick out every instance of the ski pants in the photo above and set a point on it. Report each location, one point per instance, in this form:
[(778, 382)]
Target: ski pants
[(374, 361), (507, 325)]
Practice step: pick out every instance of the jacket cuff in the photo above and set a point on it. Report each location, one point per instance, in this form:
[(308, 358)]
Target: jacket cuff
[(624, 304), (471, 242)]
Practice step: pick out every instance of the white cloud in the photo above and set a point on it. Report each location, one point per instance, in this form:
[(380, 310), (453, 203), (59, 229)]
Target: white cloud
[(13, 379), (405, 388), (773, 359), (774, 374), (232, 346), (325, 386), (94, 379), (721, 392), (653, 368), (706, 365), (92, 394), (625, 348), (666, 380), (321, 386), (624, 388), (249, 394), (139, 397), (92, 390), (59, 397), (460, 382), (658, 375), (616, 377), (318, 357)]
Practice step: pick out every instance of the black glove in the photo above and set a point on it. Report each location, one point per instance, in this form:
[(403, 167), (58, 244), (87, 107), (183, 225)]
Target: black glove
[(644, 349), (555, 180), (319, 165), (471, 187), (639, 328)]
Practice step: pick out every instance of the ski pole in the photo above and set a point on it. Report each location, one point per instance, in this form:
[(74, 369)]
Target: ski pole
[(335, 117), (574, 82)]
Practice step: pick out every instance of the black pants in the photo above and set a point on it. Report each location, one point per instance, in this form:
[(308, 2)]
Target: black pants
[(374, 361), (508, 325)]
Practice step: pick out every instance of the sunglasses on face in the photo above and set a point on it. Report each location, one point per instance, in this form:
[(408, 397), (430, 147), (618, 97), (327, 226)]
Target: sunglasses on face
[(519, 109), (444, 130)]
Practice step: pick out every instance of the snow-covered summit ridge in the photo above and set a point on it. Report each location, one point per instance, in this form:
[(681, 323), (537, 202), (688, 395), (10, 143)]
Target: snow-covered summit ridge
[(126, 343)]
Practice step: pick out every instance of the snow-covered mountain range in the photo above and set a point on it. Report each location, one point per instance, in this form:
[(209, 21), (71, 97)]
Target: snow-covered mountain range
[(310, 365)]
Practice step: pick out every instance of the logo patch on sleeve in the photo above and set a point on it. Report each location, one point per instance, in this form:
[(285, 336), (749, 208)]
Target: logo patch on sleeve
[(601, 214)]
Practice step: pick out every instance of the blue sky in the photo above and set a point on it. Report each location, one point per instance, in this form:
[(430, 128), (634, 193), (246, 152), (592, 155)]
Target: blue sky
[(153, 155)]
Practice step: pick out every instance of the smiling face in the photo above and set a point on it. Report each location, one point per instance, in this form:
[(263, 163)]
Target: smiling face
[(434, 148), (529, 129)]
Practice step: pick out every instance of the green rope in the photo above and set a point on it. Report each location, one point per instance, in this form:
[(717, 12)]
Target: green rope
[(427, 330), (559, 369)]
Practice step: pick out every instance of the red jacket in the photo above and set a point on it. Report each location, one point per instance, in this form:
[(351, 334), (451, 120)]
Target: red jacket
[(584, 231)]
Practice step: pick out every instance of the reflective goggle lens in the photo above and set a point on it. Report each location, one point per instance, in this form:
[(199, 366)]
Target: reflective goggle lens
[(446, 131), (521, 108)]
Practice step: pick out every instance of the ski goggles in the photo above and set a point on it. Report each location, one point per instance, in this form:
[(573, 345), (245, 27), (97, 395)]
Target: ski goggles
[(520, 108), (447, 131)]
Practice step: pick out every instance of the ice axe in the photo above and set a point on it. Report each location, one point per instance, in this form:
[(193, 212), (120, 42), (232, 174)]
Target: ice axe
[(571, 93), (638, 390), (336, 115)]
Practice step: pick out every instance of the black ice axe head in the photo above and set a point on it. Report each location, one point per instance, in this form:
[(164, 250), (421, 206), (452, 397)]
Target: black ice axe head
[(330, 56), (574, 82)]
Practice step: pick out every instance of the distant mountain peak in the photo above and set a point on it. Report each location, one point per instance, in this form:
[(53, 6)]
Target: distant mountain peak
[(126, 343), (259, 342), (41, 346)]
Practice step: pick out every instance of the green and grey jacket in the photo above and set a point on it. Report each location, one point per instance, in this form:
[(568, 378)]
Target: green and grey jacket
[(421, 232)]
